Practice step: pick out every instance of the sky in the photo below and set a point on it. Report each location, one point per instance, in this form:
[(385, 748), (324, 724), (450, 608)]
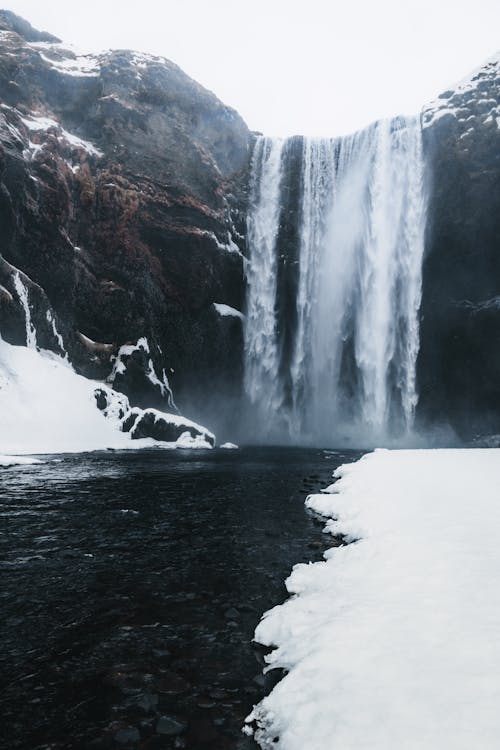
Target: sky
[(314, 67)]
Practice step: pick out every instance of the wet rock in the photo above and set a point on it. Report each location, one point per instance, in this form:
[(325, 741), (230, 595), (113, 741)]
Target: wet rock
[(169, 726), (171, 683), (127, 735)]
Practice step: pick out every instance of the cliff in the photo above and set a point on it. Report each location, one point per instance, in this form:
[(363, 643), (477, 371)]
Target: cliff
[(459, 362), (122, 203)]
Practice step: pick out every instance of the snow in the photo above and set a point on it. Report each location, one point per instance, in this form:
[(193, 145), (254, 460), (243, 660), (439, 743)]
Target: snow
[(466, 93), (74, 140), (185, 440), (58, 337), (227, 311), (392, 642), (38, 123), (81, 66), (229, 446), (120, 367), (18, 461), (46, 407)]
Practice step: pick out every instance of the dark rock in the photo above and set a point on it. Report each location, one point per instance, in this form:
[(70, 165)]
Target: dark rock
[(231, 614), (171, 683), (459, 360), (170, 726), (127, 735), (152, 424)]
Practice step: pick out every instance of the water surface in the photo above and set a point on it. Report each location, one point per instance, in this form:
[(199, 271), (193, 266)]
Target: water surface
[(132, 583)]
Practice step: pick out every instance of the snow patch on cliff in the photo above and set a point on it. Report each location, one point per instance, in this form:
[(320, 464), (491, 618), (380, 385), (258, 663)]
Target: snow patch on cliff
[(120, 367), (474, 98), (227, 311), (38, 123)]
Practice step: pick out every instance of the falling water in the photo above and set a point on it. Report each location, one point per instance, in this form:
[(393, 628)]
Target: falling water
[(262, 382), (361, 227)]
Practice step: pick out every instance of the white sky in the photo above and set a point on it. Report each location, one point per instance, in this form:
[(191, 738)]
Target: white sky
[(317, 67)]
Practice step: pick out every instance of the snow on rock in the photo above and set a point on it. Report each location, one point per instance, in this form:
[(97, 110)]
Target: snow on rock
[(169, 428), (392, 642), (473, 99), (227, 311), (38, 123), (133, 361)]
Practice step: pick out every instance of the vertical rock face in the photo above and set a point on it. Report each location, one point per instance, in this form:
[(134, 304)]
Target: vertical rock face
[(122, 204), (459, 363)]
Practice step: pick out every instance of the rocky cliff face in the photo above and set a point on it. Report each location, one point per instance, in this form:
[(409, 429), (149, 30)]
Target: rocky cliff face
[(122, 204), (459, 363)]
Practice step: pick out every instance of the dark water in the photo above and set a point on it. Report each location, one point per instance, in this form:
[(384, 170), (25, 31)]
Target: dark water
[(131, 585)]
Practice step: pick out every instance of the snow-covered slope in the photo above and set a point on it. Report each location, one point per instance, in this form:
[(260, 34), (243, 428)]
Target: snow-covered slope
[(45, 407), (392, 642), (474, 100)]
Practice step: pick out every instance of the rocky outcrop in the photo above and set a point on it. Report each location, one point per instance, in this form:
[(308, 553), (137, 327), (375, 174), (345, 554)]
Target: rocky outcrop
[(459, 362), (122, 204)]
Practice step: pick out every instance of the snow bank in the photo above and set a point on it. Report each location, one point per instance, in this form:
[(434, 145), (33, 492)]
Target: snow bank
[(45, 407), (392, 642), (18, 461)]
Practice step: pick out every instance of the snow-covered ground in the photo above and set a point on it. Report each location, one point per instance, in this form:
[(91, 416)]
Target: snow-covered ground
[(18, 461), (392, 643), (46, 407)]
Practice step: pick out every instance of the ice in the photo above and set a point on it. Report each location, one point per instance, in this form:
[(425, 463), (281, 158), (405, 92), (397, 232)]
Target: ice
[(22, 293), (229, 446), (392, 641)]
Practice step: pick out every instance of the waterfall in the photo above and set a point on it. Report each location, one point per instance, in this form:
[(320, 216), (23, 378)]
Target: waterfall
[(360, 229), (262, 381)]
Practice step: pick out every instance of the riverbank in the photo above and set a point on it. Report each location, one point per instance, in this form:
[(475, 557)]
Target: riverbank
[(392, 641)]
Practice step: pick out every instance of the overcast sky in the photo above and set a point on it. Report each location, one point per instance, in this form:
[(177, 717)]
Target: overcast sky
[(318, 67)]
